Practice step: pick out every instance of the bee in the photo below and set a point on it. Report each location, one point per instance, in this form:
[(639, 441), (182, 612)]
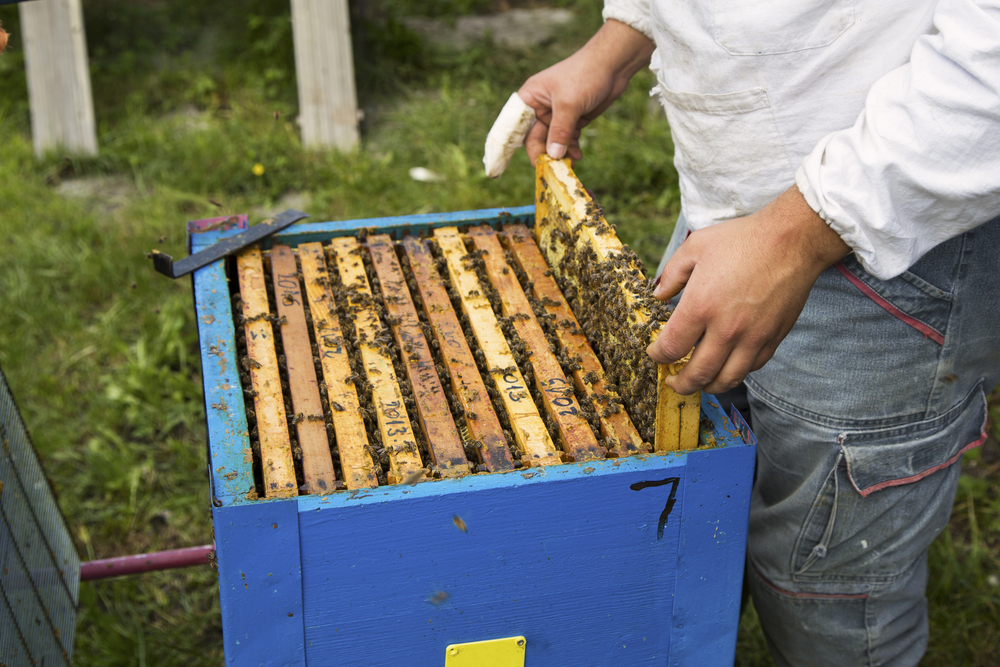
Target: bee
[(459, 523), (414, 476), (438, 598)]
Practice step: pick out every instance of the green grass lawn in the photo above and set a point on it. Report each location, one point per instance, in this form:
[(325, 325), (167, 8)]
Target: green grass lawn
[(101, 352)]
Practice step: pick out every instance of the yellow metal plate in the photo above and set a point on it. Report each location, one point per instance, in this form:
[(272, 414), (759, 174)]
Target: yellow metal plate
[(507, 652)]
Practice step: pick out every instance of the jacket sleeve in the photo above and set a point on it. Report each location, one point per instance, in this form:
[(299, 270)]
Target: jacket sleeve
[(922, 162), (633, 13)]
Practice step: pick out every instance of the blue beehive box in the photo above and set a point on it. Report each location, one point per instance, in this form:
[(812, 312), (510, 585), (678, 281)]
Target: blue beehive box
[(630, 561)]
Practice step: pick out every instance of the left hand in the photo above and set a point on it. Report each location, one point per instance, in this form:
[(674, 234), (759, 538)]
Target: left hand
[(745, 282)]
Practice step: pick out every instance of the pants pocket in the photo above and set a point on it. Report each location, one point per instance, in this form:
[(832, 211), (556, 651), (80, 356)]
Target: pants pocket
[(881, 458), (908, 297), (817, 530), (870, 519), (816, 629)]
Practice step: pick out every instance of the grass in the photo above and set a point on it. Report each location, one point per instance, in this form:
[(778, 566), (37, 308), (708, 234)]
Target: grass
[(101, 352)]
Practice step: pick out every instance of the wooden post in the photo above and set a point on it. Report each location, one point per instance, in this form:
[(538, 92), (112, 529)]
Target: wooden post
[(324, 68), (55, 55)]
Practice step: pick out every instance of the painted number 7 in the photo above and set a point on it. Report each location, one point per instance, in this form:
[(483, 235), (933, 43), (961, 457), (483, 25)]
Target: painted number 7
[(673, 481)]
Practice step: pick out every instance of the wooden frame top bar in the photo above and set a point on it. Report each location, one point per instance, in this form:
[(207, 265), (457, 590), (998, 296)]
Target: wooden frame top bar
[(443, 439), (269, 404), (393, 419), (532, 437), (560, 403), (356, 463), (481, 422)]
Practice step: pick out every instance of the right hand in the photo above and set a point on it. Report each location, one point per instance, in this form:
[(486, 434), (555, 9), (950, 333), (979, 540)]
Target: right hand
[(571, 93)]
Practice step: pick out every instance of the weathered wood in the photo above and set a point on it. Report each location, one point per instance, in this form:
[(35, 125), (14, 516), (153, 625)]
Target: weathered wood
[(55, 58), (349, 429), (433, 413), (575, 435), (310, 427), (269, 406), (324, 71), (480, 419), (393, 419), (565, 210), (530, 434), (616, 427)]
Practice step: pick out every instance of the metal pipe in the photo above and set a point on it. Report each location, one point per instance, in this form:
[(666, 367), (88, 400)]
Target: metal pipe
[(139, 563)]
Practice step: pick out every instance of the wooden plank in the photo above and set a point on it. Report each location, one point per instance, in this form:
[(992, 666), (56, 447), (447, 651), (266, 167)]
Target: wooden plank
[(393, 418), (565, 212), (530, 434), (575, 435), (616, 427), (269, 406), (679, 422), (55, 58), (349, 428), (317, 463), (434, 415), (324, 71), (480, 418)]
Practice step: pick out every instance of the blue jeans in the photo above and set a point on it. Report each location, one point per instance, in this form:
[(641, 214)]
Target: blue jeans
[(862, 416)]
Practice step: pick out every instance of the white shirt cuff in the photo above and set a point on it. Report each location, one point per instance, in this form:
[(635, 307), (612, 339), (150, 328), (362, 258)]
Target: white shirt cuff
[(635, 14), (849, 230)]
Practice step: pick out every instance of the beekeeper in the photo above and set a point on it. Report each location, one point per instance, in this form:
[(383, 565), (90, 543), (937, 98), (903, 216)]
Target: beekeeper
[(839, 166)]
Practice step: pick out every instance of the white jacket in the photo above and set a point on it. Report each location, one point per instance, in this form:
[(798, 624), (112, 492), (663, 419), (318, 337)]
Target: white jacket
[(885, 113)]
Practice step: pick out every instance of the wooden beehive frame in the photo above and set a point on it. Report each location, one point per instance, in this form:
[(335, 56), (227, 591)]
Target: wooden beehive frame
[(390, 409), (355, 460), (529, 430), (275, 445), (476, 263), (568, 221), (479, 419), (615, 426)]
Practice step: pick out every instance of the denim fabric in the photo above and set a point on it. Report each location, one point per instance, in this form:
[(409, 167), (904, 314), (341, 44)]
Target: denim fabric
[(680, 233), (862, 416)]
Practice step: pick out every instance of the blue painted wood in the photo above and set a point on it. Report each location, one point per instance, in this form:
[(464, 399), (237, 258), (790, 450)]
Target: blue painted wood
[(230, 462), (570, 557), (567, 556), (394, 226), (260, 583), (712, 548)]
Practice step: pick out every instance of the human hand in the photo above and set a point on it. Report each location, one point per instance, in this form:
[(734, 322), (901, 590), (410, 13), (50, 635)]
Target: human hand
[(571, 93), (745, 282)]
